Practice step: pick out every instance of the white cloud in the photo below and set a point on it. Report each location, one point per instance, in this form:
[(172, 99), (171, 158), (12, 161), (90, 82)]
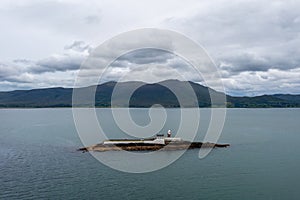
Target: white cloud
[(264, 82)]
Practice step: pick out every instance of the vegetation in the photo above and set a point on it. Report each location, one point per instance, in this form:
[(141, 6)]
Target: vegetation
[(146, 95)]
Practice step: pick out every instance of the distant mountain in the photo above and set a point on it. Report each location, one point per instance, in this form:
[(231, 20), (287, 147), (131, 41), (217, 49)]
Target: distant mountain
[(50, 97), (264, 101), (145, 96)]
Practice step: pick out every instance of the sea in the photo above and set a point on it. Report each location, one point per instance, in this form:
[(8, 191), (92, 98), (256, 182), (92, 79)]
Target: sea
[(39, 158)]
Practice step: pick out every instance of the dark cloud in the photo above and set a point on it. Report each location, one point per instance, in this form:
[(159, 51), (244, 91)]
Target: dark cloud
[(59, 63), (4, 71), (146, 56), (256, 62), (246, 62)]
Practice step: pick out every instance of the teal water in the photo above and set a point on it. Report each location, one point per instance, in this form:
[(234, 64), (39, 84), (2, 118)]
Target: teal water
[(38, 159)]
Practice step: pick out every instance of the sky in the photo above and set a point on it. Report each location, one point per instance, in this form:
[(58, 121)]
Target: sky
[(254, 43)]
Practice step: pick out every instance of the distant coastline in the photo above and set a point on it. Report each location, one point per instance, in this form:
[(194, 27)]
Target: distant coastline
[(144, 97)]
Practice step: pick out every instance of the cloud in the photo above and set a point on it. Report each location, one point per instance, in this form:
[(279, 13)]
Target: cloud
[(148, 65), (70, 59), (25, 73), (246, 35), (245, 62), (271, 81), (147, 56), (58, 62), (92, 19), (254, 43), (44, 80), (151, 65), (66, 16), (79, 46)]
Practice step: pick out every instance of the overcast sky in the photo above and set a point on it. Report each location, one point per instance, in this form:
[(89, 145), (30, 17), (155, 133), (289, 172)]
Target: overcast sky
[(255, 44)]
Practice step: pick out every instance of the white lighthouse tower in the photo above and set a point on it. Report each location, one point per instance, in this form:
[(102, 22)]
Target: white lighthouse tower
[(169, 133)]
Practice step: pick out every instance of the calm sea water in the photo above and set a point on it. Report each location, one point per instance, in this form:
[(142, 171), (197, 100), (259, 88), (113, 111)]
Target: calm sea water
[(38, 159)]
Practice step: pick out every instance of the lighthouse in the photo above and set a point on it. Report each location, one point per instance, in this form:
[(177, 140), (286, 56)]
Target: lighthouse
[(169, 133)]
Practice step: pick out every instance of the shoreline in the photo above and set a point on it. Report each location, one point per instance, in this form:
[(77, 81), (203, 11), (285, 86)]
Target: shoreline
[(33, 108), (148, 147)]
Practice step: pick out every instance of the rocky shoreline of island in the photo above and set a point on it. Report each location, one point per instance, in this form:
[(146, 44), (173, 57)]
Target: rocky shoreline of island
[(171, 146)]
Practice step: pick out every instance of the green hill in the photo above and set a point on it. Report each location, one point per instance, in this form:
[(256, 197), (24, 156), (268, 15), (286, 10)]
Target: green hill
[(145, 96)]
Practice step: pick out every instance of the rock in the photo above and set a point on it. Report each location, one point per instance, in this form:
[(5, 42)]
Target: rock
[(151, 147)]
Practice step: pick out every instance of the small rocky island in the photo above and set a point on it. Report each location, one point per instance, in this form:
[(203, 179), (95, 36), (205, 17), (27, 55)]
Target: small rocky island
[(151, 144)]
